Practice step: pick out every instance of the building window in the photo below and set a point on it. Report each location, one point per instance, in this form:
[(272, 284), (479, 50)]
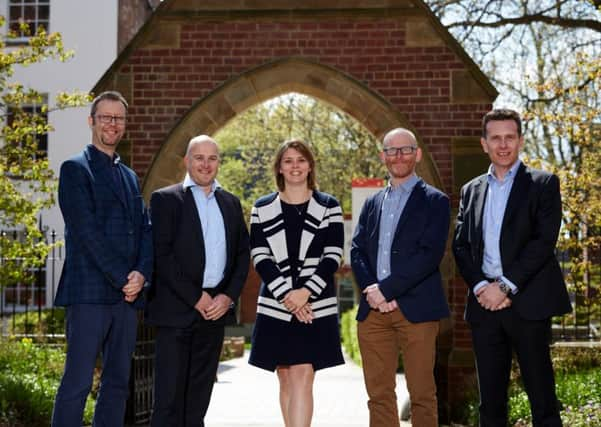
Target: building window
[(41, 139), (35, 13)]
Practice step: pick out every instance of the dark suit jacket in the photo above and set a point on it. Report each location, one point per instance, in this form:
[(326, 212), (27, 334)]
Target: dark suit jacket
[(180, 255), (106, 237), (528, 237), (417, 249)]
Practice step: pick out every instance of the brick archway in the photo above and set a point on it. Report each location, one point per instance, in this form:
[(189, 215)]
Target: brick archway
[(267, 81)]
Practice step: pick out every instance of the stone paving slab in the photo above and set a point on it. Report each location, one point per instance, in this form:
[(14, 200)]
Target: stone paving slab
[(248, 396)]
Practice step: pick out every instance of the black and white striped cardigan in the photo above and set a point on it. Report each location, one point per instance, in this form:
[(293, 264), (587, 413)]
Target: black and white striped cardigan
[(320, 254)]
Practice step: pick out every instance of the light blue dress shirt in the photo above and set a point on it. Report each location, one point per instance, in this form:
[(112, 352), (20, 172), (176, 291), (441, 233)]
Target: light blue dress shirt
[(394, 202), (494, 211), (213, 232)]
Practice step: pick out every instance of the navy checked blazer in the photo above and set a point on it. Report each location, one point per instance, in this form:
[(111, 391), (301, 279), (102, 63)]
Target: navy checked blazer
[(106, 236)]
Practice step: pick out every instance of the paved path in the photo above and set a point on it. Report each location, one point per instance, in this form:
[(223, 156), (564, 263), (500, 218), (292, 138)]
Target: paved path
[(248, 396)]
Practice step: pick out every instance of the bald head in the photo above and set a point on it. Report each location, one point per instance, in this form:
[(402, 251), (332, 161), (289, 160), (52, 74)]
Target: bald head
[(201, 139), (202, 161), (400, 154), (399, 134)]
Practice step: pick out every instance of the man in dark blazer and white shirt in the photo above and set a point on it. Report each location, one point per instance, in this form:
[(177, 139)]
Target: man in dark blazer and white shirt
[(505, 236), (201, 262), (108, 259), (396, 251)]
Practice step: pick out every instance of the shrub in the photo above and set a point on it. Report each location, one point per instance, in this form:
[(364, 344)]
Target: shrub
[(571, 359), (465, 410), (29, 377), (51, 321), (578, 385), (582, 416), (348, 332)]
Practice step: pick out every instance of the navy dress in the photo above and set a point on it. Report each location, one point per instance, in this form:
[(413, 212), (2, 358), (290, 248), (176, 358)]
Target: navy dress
[(275, 342)]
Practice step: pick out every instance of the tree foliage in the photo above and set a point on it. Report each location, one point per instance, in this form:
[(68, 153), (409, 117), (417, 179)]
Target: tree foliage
[(577, 119), (27, 183), (343, 148), (523, 44)]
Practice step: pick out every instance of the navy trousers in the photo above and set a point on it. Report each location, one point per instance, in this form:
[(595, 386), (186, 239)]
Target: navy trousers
[(94, 329)]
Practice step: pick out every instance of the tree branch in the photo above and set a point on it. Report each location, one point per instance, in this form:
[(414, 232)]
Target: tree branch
[(590, 24)]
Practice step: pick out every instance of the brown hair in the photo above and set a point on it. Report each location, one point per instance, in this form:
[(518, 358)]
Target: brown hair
[(305, 151), (499, 114), (110, 95)]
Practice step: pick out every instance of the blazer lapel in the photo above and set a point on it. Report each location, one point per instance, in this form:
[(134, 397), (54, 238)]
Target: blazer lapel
[(518, 190), (227, 220), (415, 199), (316, 211), (378, 200), (128, 187), (276, 241), (104, 176), (480, 190), (194, 226)]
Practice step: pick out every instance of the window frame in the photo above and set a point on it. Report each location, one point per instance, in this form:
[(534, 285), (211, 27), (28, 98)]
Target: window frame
[(34, 23), (42, 139)]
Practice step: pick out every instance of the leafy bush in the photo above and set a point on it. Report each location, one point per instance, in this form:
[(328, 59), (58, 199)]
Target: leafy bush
[(571, 359), (51, 321), (578, 386), (348, 332), (29, 377), (582, 416)]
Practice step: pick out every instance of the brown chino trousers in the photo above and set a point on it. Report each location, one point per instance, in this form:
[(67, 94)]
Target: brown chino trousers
[(381, 337)]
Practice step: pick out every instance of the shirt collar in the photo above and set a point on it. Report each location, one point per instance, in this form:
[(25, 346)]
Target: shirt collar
[(406, 186), (510, 175), (189, 182), (103, 157)]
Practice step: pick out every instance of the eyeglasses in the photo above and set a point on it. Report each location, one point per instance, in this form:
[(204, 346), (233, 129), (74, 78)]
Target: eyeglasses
[(395, 151), (107, 119)]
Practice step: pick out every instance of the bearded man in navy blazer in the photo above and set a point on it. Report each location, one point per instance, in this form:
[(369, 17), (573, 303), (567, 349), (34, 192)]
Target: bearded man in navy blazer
[(398, 245), (108, 259), (202, 257), (504, 246)]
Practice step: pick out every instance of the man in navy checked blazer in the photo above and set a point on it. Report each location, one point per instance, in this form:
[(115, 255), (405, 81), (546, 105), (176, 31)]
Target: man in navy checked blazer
[(108, 259)]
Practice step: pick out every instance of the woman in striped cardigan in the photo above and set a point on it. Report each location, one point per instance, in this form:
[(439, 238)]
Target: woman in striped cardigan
[(296, 237)]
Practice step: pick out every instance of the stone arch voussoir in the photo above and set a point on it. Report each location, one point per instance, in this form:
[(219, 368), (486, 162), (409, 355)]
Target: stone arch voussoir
[(267, 81)]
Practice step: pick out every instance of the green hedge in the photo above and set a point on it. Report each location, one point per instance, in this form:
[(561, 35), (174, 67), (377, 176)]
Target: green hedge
[(29, 377), (51, 321), (350, 342), (348, 332), (578, 386)]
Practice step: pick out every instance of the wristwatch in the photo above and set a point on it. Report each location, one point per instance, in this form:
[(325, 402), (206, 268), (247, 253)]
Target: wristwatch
[(504, 287)]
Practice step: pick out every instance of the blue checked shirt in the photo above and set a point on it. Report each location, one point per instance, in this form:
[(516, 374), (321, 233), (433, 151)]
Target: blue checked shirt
[(394, 202)]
